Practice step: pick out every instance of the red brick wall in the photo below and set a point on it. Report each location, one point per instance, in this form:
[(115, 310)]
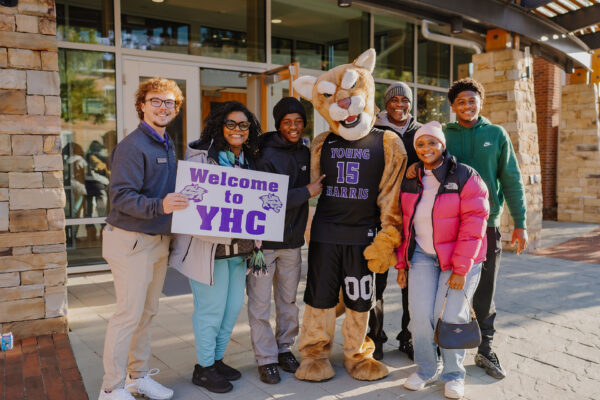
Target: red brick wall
[(546, 77)]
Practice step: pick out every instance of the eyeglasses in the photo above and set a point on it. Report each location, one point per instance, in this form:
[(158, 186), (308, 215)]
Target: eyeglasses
[(156, 102), (230, 124)]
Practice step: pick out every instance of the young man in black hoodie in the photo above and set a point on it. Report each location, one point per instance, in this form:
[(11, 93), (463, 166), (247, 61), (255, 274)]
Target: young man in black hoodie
[(397, 118), (282, 152)]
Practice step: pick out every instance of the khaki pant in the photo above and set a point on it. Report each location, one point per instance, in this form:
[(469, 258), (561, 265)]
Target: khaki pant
[(138, 263), (284, 267)]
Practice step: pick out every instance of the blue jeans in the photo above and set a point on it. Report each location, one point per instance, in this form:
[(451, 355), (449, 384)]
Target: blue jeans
[(216, 308), (426, 292)]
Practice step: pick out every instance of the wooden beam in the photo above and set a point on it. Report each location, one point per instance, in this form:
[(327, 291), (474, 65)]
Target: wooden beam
[(579, 76), (497, 39), (595, 78)]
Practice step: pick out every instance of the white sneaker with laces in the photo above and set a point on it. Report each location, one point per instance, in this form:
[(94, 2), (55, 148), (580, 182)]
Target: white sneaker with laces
[(414, 382), (117, 394), (454, 389), (148, 386)]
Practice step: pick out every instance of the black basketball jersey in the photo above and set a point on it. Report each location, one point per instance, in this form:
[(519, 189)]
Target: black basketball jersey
[(347, 212)]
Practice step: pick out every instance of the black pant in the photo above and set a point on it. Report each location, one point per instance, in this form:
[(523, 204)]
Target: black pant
[(483, 300), (376, 332)]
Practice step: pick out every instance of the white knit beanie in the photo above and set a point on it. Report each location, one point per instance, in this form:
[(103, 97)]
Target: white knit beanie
[(432, 128)]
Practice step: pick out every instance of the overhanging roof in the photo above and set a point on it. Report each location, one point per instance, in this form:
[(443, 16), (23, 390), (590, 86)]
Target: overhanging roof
[(530, 20)]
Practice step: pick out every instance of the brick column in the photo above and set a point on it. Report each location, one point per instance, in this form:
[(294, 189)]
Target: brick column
[(578, 184), (547, 104), (33, 296), (510, 102)]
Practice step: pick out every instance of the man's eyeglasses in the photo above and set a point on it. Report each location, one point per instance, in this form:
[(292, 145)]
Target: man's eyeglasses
[(156, 102), (230, 124)]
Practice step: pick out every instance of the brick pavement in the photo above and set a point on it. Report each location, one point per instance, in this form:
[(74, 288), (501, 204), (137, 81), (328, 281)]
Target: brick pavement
[(548, 338), (39, 368)]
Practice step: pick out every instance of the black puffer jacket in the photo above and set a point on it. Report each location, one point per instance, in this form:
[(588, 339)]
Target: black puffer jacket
[(279, 156)]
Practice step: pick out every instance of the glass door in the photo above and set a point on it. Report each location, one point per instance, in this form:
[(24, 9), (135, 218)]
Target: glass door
[(90, 197), (186, 126)]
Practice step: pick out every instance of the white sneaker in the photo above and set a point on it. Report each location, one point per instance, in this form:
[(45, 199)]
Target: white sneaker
[(414, 382), (148, 386), (454, 389), (117, 394)]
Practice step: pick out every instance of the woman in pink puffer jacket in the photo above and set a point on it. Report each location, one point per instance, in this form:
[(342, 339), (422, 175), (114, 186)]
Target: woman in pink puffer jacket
[(445, 211)]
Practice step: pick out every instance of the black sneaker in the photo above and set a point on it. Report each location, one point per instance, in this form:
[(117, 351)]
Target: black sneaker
[(406, 346), (491, 364), (378, 353), (288, 362), (229, 373), (210, 379), (269, 373)]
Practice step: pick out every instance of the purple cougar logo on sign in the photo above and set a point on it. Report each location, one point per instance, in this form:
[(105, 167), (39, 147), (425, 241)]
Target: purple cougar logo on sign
[(271, 202), (194, 192)]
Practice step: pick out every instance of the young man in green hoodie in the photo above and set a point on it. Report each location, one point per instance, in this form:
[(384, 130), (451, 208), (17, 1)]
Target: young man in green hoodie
[(487, 148)]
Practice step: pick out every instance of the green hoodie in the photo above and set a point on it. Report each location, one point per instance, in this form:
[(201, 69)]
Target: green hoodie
[(487, 149)]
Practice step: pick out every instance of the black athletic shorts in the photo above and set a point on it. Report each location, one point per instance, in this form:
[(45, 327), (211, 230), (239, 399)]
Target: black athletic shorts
[(331, 266)]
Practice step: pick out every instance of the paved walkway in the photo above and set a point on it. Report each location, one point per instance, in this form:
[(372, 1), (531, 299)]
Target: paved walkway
[(548, 338)]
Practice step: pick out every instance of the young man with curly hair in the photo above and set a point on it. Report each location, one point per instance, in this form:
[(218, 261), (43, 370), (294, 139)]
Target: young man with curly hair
[(136, 240), (487, 148)]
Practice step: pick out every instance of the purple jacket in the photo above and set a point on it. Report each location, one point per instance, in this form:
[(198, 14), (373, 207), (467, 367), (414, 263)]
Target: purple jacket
[(459, 216)]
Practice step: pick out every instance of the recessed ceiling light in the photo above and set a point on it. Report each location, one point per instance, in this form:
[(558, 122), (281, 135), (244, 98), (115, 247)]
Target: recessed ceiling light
[(158, 1), (276, 21)]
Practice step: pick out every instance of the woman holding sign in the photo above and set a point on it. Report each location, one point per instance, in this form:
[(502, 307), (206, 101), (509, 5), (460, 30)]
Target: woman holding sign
[(216, 267)]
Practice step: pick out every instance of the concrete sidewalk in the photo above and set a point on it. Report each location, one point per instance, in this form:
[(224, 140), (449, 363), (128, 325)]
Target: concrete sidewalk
[(548, 338)]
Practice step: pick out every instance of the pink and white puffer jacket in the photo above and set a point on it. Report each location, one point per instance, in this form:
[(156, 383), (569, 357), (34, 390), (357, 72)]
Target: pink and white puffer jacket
[(459, 216)]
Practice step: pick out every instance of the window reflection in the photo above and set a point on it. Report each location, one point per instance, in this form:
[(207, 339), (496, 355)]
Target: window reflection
[(432, 106), (230, 29), (85, 21), (316, 33), (433, 62), (88, 135), (394, 43)]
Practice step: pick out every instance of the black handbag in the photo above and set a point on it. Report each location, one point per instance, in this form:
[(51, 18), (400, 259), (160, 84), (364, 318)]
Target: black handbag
[(465, 335)]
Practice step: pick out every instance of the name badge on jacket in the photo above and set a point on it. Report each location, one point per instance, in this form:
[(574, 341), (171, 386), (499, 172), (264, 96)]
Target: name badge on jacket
[(161, 160)]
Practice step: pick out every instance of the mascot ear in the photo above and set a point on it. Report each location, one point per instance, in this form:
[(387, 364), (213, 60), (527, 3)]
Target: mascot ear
[(304, 85), (366, 60)]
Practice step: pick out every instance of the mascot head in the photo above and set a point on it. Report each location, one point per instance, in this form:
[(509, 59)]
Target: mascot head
[(344, 96)]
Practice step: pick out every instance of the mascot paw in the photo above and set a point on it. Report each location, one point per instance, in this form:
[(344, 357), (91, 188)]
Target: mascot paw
[(366, 369), (381, 254), (315, 370)]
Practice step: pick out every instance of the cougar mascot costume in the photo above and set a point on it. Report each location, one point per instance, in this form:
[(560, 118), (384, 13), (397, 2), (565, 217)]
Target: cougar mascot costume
[(357, 223)]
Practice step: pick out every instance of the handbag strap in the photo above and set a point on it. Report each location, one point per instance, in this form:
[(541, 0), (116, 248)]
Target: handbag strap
[(473, 316)]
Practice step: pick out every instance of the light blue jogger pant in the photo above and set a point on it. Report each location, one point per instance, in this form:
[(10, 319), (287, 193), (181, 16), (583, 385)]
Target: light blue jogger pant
[(217, 307)]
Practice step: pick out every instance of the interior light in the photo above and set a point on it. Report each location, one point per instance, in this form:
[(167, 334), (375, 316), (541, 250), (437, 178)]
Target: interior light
[(544, 38), (276, 21), (158, 1), (344, 3)]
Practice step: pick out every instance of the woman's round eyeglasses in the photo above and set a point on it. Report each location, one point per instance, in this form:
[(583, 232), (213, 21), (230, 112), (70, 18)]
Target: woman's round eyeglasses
[(230, 124)]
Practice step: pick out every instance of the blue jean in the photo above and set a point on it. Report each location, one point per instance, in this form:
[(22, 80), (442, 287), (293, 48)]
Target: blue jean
[(427, 289), (216, 308)]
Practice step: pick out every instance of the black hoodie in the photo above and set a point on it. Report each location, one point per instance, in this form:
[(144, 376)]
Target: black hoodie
[(279, 156)]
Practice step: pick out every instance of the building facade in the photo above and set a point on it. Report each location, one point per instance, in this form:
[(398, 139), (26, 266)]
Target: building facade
[(69, 70)]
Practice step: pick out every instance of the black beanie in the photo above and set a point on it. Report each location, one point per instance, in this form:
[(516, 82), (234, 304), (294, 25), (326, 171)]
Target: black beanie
[(287, 105)]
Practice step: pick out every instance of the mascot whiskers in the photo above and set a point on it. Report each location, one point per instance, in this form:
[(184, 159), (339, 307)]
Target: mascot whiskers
[(357, 223)]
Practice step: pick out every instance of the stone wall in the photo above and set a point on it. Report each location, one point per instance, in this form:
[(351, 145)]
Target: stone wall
[(578, 185), (510, 102), (33, 296)]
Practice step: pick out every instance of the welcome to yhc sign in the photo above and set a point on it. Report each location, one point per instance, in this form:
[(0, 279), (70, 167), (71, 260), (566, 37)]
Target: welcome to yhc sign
[(230, 202)]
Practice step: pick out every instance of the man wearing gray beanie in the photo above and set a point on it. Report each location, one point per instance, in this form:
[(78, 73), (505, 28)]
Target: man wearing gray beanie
[(396, 117)]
